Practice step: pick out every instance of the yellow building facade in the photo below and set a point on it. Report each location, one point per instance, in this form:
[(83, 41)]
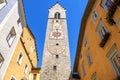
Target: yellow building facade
[(98, 51), (24, 58)]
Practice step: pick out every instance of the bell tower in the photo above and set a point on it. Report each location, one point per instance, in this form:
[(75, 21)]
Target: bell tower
[(56, 55)]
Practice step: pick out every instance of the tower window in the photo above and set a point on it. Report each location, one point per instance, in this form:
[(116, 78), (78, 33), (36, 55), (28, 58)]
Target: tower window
[(57, 44), (57, 15), (56, 20), (57, 56), (54, 68)]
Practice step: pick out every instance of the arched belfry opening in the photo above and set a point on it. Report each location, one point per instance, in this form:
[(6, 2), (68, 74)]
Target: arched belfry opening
[(57, 15)]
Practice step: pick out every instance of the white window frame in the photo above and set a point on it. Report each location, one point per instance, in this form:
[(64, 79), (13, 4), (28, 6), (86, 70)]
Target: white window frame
[(26, 68), (19, 60), (112, 55), (19, 22), (2, 3), (101, 30), (2, 60), (31, 48), (94, 16), (11, 36)]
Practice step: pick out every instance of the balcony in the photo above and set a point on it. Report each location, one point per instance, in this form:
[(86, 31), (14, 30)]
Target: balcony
[(104, 40), (111, 10)]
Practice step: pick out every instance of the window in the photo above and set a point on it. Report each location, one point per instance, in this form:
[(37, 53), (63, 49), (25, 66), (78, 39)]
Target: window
[(57, 56), (31, 48), (11, 36), (2, 3), (34, 77), (80, 55), (106, 3), (114, 57), (26, 69), (29, 77), (101, 30), (85, 42), (57, 44), (19, 61), (1, 60), (89, 58), (12, 78), (94, 77), (118, 22), (19, 22), (57, 15), (94, 16), (83, 70), (54, 68)]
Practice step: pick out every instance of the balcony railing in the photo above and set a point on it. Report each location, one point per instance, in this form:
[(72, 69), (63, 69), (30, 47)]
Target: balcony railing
[(111, 10), (104, 40)]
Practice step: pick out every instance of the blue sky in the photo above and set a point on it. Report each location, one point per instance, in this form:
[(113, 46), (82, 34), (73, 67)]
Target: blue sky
[(37, 15)]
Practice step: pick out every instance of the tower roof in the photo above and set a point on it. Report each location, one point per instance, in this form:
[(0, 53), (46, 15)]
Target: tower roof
[(57, 6)]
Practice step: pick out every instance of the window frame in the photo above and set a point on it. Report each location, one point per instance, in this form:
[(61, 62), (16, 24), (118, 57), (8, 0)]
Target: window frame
[(83, 69), (13, 77), (26, 68), (3, 4), (101, 29), (94, 18), (19, 22), (89, 59), (94, 76), (11, 36), (57, 15), (112, 55), (104, 2), (19, 60), (85, 42), (2, 60)]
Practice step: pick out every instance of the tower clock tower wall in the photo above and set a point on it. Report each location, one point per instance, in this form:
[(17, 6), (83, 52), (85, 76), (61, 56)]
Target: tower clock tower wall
[(56, 55)]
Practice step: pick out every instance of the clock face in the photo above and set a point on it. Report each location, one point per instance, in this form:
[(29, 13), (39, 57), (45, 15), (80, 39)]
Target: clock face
[(56, 49), (56, 34)]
